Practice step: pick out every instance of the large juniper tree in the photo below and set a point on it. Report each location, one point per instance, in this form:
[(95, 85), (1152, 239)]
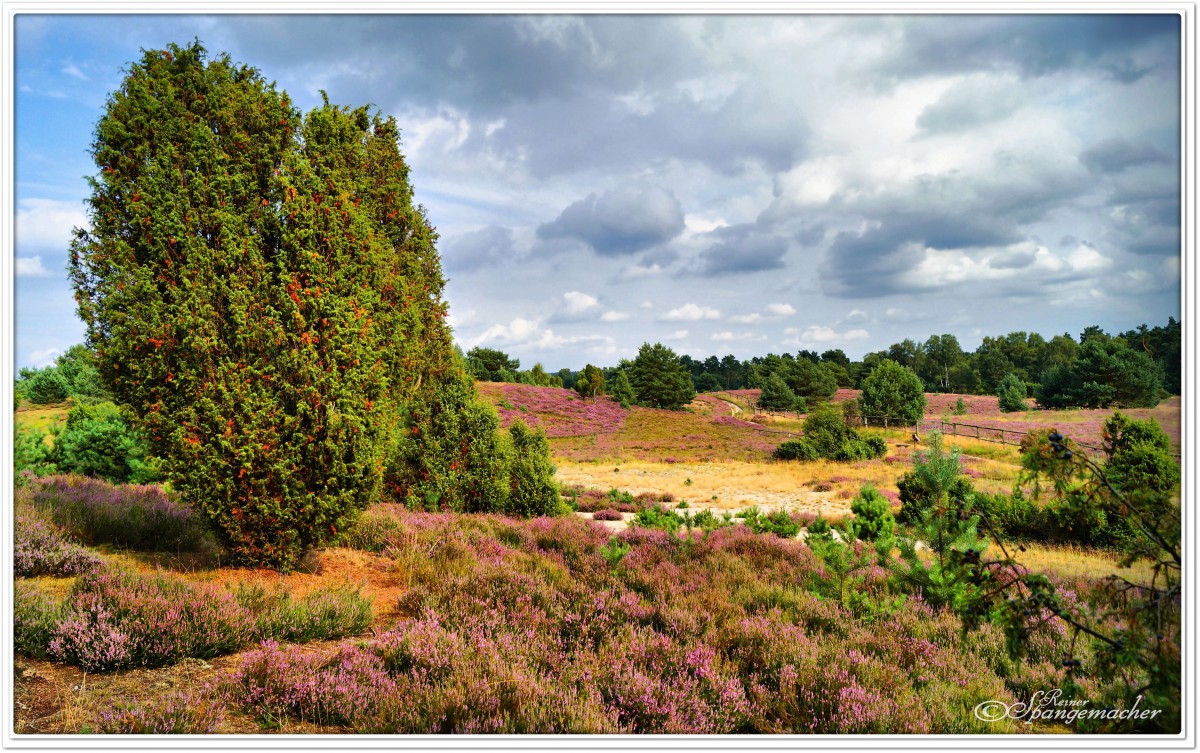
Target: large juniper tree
[(261, 290)]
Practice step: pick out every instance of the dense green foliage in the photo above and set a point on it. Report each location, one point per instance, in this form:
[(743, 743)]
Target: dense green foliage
[(894, 392), (659, 379), (261, 290), (454, 457), (1106, 372), (776, 395), (99, 440), (621, 390), (827, 435), (491, 365), (1012, 394), (590, 382), (873, 518)]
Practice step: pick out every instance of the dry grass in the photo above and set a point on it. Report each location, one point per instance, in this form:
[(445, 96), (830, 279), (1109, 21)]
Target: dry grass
[(1072, 561), (736, 485), (41, 418)]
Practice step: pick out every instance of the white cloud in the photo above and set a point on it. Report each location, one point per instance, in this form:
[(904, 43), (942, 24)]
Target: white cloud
[(727, 336), (578, 303), (690, 312), (43, 223), (636, 271), (31, 266), (73, 70), (518, 330), (43, 358), (856, 315), (614, 316), (678, 334), (816, 334), (746, 318), (780, 309)]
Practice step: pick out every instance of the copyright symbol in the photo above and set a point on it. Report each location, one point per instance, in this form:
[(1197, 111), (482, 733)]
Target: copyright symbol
[(991, 711)]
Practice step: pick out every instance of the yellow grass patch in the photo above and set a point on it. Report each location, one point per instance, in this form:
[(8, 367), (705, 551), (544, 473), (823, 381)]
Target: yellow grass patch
[(736, 485), (1071, 561)]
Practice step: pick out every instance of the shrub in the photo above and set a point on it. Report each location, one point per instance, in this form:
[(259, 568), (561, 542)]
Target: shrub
[(1139, 455), (827, 435), (1014, 515), (872, 515), (138, 517), (42, 548), (31, 453), (117, 619), (659, 517), (893, 391), (781, 523), (330, 612), (99, 441), (796, 449), (607, 515), (182, 712), (276, 683), (46, 386), (1012, 394), (532, 489)]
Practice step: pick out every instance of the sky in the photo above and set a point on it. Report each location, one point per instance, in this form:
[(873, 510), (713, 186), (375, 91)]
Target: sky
[(721, 184)]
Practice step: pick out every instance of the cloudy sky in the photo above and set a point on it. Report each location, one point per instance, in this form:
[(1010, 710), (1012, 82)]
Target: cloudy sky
[(722, 184)]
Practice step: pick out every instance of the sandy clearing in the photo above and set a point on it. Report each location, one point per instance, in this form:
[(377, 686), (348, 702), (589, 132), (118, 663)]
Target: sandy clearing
[(717, 486)]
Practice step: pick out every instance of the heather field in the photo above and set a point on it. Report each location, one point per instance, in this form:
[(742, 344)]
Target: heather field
[(607, 620), (448, 623)]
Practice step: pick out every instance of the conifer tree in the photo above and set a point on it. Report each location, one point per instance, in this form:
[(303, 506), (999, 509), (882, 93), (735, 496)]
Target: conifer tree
[(261, 291)]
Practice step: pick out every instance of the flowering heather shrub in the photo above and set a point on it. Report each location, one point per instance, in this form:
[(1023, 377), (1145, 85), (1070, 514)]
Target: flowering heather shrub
[(331, 612), (607, 515), (276, 684), (138, 517), (35, 616), (119, 619), (179, 713), (560, 412), (42, 548), (553, 626)]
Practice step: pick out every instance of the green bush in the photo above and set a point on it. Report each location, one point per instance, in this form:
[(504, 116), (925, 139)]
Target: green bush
[(1139, 455), (99, 441), (796, 449), (872, 515), (31, 453), (779, 523), (46, 386), (1012, 394), (827, 435), (1013, 515), (656, 516), (532, 489)]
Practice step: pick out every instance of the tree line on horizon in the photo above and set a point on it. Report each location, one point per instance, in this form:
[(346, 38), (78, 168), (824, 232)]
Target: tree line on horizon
[(1131, 369)]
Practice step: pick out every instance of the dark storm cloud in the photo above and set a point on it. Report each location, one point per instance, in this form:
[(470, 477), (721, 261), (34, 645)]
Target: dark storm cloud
[(740, 250), (1035, 45), (488, 62), (1117, 155), (620, 222), (486, 247)]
